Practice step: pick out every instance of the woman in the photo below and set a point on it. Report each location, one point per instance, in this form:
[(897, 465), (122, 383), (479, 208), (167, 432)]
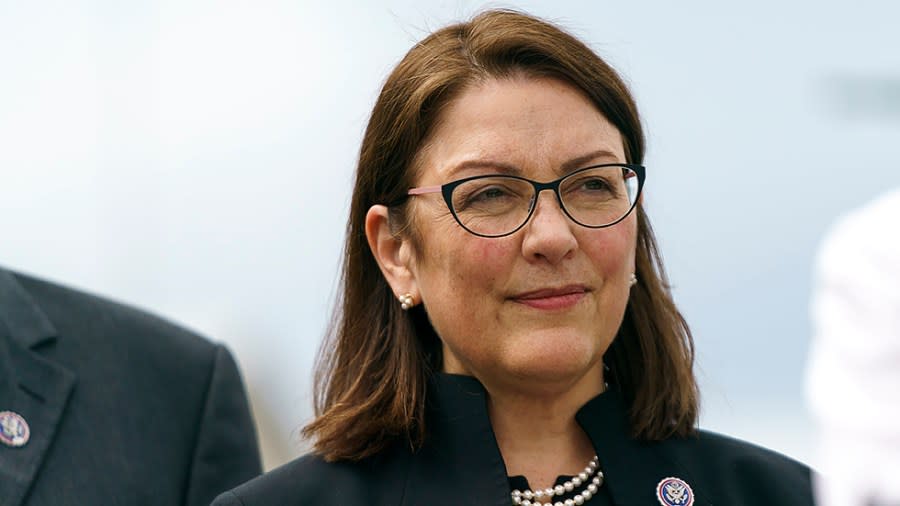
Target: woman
[(507, 335)]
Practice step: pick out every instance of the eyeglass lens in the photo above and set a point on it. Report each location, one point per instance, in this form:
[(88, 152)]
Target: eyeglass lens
[(498, 205)]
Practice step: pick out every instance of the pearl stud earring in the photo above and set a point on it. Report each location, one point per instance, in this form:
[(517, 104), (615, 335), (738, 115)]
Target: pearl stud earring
[(406, 301), (633, 280)]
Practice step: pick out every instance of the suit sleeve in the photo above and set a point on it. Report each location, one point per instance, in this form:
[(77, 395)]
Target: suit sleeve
[(226, 452), (228, 499)]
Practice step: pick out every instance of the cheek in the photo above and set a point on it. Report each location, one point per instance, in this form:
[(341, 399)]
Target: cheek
[(489, 252), (472, 260), (612, 250)]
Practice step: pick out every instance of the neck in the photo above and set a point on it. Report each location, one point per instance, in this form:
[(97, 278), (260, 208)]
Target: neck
[(538, 435)]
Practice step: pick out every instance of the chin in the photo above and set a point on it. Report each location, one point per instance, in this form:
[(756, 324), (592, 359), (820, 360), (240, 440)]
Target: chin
[(555, 363)]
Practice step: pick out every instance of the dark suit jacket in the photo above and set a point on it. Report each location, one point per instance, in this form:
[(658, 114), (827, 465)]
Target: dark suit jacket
[(124, 408), (460, 464)]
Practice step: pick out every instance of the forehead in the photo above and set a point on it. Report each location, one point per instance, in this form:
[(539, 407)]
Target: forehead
[(534, 125)]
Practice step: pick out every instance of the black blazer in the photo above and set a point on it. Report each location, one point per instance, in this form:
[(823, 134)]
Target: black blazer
[(460, 464), (123, 408)]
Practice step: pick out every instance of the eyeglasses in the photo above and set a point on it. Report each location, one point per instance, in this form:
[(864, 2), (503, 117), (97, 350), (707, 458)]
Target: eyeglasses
[(499, 205)]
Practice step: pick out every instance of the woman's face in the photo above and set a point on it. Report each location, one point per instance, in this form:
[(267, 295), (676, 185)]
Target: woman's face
[(541, 306)]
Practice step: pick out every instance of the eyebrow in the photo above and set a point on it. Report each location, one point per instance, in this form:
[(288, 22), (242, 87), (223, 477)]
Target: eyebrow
[(583, 161), (513, 170)]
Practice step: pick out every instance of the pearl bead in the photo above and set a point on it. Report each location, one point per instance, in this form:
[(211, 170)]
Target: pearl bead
[(534, 498)]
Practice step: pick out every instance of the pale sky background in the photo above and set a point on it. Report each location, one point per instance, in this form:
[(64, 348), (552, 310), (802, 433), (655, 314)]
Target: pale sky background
[(195, 158)]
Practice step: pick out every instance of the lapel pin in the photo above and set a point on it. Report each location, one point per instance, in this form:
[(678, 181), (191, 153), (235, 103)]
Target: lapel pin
[(674, 492), (14, 429)]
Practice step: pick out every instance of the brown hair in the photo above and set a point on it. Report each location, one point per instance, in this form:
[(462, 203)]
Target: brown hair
[(373, 368)]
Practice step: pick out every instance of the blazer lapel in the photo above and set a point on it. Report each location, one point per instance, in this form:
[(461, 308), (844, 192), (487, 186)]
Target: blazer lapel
[(633, 469), (30, 385), (461, 463)]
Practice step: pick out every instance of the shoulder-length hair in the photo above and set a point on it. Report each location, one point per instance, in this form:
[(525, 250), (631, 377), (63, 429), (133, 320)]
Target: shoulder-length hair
[(375, 364)]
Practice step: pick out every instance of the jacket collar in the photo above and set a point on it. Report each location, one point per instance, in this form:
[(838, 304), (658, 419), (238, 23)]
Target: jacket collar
[(24, 321), (462, 453), (30, 385), (633, 469), (461, 463)]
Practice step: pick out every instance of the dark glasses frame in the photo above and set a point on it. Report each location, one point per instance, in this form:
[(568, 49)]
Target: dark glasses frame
[(447, 191)]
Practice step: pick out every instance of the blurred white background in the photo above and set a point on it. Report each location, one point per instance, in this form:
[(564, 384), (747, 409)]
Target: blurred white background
[(195, 158)]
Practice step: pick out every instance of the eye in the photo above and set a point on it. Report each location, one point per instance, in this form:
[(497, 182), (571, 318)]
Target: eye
[(490, 193), (594, 183), (590, 184)]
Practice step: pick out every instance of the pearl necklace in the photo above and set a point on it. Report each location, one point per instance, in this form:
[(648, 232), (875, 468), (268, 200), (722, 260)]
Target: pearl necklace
[(529, 498)]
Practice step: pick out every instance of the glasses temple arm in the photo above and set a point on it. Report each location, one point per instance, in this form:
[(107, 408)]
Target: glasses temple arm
[(423, 190)]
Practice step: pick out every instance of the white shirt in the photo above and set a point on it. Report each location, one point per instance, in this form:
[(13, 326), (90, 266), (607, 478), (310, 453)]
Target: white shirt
[(853, 379)]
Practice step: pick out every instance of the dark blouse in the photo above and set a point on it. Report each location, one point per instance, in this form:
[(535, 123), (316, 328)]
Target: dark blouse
[(460, 464)]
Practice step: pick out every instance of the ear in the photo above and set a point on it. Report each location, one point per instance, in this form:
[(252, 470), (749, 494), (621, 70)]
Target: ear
[(393, 253)]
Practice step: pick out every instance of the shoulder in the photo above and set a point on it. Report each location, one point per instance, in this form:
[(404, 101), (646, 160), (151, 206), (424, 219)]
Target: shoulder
[(170, 403), (377, 480), (95, 320), (720, 446), (733, 470), (306, 480), (160, 367)]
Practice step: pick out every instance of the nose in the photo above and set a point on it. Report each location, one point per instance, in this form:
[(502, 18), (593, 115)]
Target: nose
[(548, 234)]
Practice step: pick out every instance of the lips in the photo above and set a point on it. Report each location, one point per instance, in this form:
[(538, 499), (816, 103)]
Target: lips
[(551, 292), (552, 298)]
